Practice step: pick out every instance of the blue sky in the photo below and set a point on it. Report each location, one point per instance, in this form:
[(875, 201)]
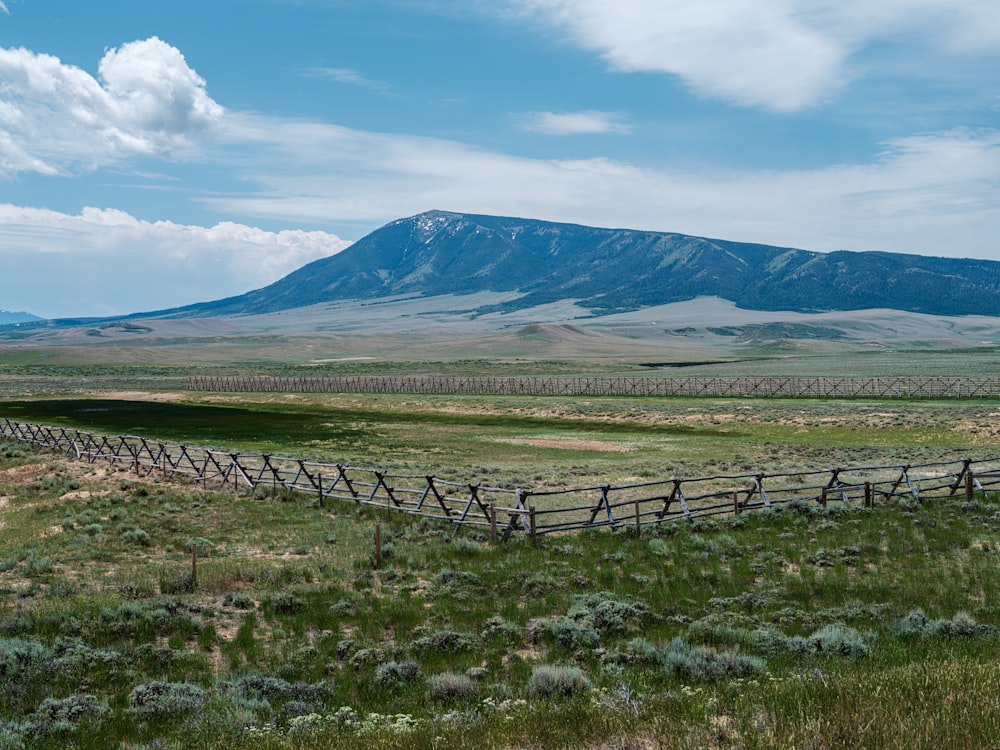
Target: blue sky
[(157, 154)]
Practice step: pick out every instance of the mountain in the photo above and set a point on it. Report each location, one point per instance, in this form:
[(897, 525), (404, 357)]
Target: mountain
[(614, 270), (10, 318)]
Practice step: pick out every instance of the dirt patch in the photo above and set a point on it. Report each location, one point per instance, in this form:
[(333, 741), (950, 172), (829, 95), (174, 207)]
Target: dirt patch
[(23, 474), (143, 396), (84, 494), (579, 445)]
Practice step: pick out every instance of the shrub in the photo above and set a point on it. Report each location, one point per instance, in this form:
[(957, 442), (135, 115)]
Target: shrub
[(449, 686), (367, 657), (392, 675), (839, 639), (61, 714), (74, 658), (550, 681), (287, 603), (638, 651), (136, 536), (263, 687), (658, 547), (917, 623), (176, 582), (201, 546), (446, 641), (36, 564), (238, 600), (499, 631), (458, 585), (19, 658), (157, 700), (704, 664), (573, 635)]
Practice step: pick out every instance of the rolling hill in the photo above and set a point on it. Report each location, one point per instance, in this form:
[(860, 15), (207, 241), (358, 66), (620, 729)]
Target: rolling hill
[(12, 318)]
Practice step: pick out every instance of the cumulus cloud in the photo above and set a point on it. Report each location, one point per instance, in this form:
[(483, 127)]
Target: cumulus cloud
[(587, 122), (111, 263), (782, 55), (55, 118)]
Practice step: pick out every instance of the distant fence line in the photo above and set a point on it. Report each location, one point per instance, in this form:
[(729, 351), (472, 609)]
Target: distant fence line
[(506, 511), (741, 387)]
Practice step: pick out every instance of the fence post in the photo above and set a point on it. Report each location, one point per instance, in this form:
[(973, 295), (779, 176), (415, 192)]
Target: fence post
[(968, 485), (822, 497), (868, 494), (493, 523), (319, 481), (637, 522), (531, 518)]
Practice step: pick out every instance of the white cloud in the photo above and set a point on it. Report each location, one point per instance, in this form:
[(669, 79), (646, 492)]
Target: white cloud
[(107, 262), (931, 194), (587, 122), (55, 118), (350, 77), (783, 55)]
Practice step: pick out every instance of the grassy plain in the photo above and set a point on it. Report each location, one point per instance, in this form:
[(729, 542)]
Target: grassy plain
[(795, 628)]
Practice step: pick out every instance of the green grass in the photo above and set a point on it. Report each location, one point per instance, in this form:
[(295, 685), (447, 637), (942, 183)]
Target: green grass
[(540, 442), (799, 627)]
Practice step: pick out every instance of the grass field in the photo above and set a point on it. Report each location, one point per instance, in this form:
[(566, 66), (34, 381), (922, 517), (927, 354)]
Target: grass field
[(542, 441), (795, 628)]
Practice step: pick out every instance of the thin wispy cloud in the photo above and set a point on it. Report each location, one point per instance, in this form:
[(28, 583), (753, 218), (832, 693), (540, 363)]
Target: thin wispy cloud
[(351, 78), (934, 193), (588, 122)]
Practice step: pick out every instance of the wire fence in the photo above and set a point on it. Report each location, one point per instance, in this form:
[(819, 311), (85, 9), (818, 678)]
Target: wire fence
[(720, 387), (504, 511)]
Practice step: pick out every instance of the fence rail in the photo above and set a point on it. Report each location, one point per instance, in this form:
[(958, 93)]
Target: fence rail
[(741, 387), (506, 511)]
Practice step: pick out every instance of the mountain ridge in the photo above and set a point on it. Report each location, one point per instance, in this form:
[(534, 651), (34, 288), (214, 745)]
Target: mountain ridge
[(614, 270)]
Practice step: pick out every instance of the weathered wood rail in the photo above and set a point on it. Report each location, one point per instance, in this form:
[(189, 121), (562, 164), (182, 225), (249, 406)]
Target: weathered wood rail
[(722, 387), (506, 511)]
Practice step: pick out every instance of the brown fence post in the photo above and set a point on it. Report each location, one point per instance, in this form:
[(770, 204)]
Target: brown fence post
[(531, 519), (493, 523), (868, 494), (638, 528), (319, 482), (968, 485), (822, 497)]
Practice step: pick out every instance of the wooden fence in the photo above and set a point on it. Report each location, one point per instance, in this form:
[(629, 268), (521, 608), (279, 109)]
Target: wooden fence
[(505, 511), (741, 387)]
